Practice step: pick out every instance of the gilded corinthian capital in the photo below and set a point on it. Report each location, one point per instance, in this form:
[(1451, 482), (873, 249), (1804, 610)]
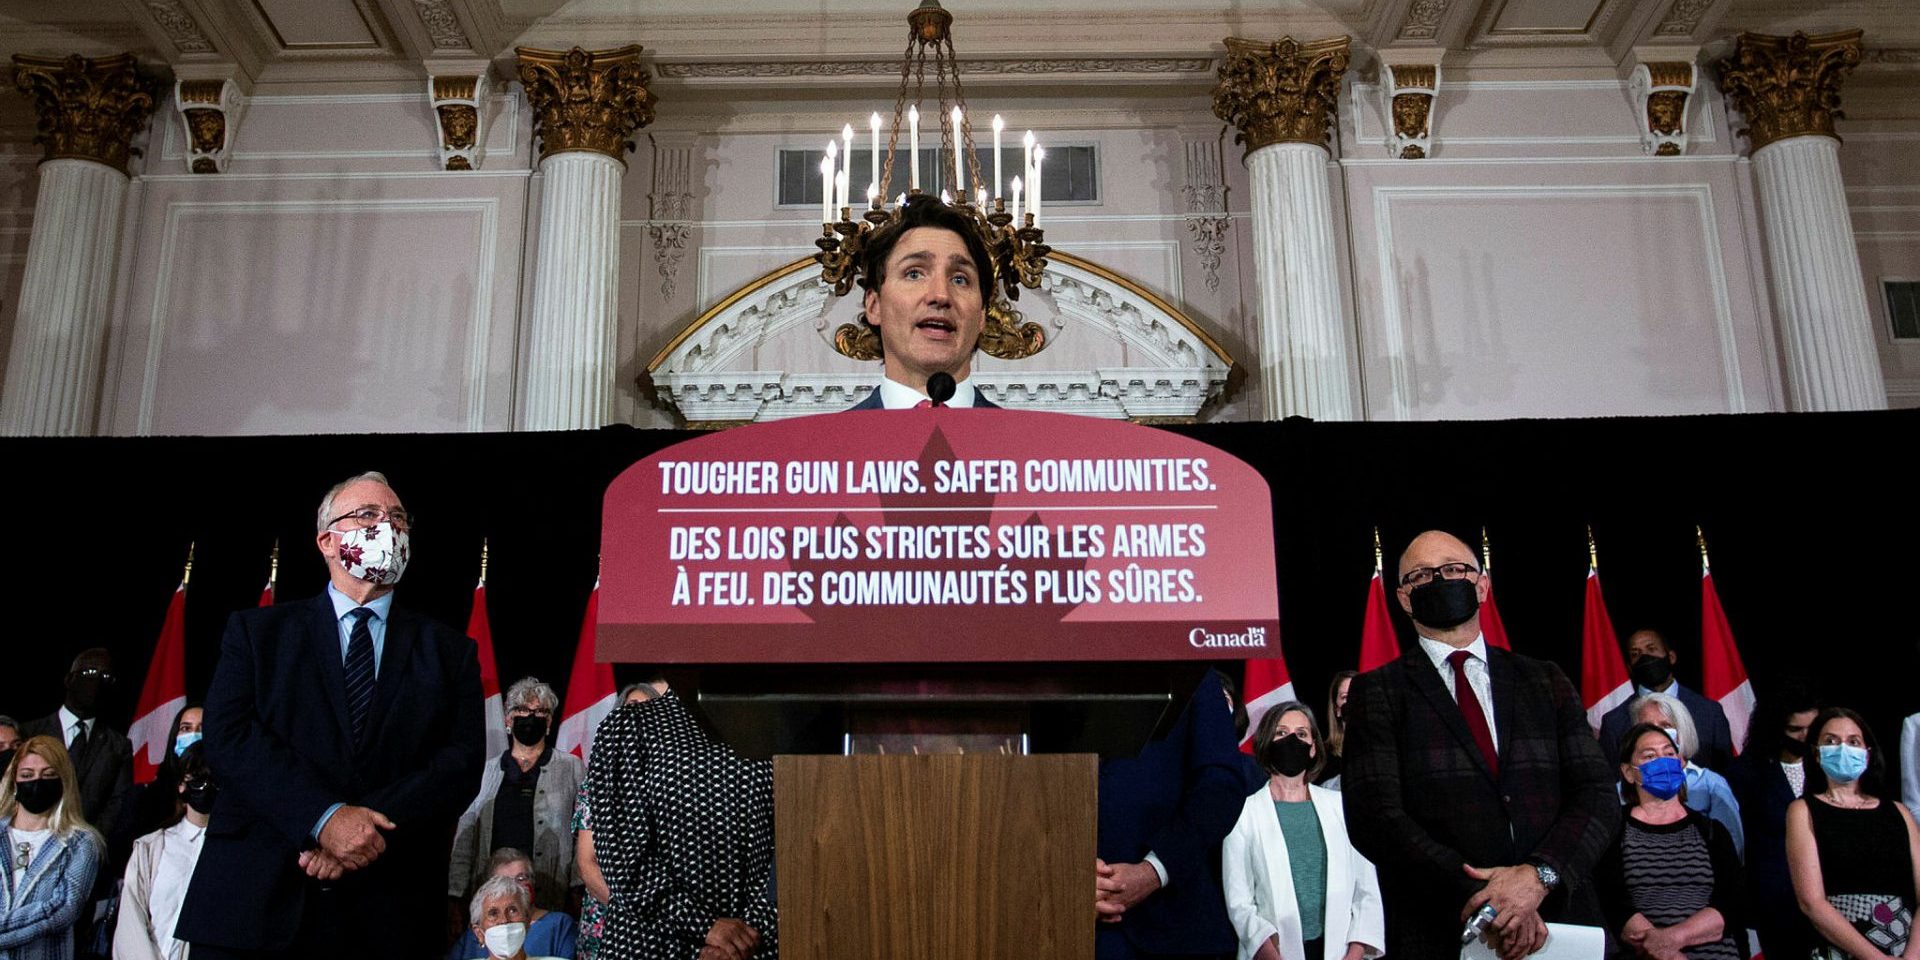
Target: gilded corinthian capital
[(586, 100), (1276, 91), (89, 109), (1789, 86)]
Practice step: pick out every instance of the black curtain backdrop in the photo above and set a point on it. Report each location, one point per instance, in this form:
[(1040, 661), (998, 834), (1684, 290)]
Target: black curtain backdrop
[(1806, 516)]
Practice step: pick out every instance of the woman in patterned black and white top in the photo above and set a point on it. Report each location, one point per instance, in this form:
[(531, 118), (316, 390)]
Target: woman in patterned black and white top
[(1671, 884), (683, 832)]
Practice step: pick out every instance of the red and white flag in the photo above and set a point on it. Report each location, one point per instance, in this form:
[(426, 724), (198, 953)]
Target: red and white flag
[(1378, 644), (1722, 673), (491, 709), (590, 689), (273, 576), (1267, 686), (1491, 625), (1604, 683), (164, 692)]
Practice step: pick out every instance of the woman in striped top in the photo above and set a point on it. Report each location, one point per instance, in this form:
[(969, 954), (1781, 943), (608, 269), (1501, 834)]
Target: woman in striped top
[(1671, 884)]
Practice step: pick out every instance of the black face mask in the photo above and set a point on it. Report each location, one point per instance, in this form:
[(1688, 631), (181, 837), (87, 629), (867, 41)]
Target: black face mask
[(6, 758), (200, 793), (1793, 745), (1289, 755), (38, 796), (529, 730), (1444, 604), (1651, 672)]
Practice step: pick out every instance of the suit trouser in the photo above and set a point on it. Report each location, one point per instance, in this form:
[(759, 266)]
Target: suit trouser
[(333, 925)]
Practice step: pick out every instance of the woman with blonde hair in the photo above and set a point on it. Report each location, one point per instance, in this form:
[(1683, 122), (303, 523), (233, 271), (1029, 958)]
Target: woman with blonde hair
[(51, 853)]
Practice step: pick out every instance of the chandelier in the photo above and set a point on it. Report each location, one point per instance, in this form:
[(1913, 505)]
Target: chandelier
[(1006, 211)]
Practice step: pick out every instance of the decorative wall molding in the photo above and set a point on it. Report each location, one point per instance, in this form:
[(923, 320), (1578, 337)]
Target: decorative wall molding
[(1683, 18), (87, 109), (1423, 20), (209, 112), (1700, 128), (172, 148), (1206, 195), (1413, 93), (586, 100), (1662, 93), (179, 26), (1198, 67), (1281, 91), (1397, 345), (1789, 86), (1175, 371), (457, 120), (670, 205), (443, 26)]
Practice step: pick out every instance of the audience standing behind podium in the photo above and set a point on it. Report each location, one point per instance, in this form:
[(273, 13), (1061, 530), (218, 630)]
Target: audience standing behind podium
[(161, 865), (1769, 776), (1295, 887), (1707, 792), (1854, 852), (525, 803), (52, 855), (1337, 691), (1652, 672)]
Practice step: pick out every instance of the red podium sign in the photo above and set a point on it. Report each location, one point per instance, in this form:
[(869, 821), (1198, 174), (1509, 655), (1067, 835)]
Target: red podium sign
[(937, 535)]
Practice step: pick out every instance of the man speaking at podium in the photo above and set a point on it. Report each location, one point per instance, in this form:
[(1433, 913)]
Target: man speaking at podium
[(927, 277)]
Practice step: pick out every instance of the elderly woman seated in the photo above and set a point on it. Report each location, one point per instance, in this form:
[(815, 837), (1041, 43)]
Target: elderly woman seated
[(548, 932), (499, 915), (1707, 793)]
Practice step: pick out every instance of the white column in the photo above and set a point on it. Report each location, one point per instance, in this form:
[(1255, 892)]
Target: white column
[(570, 359), (1306, 347), (53, 370), (1832, 360)]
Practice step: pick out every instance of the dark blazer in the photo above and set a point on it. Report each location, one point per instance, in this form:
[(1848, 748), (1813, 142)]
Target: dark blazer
[(1421, 801), (105, 769), (1178, 799), (1760, 786), (1709, 720), (279, 742), (872, 402)]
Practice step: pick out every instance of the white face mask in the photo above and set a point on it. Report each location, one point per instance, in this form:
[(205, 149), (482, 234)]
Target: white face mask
[(506, 939), (376, 554)]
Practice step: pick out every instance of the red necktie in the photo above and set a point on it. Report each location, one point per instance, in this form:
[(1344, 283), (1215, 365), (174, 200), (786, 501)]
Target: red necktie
[(1470, 709), (927, 403)]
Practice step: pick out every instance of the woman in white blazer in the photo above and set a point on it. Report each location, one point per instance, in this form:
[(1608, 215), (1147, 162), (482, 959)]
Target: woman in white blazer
[(1290, 850)]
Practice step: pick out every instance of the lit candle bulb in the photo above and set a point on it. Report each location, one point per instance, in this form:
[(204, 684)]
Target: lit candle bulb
[(1039, 157), (873, 195), (1016, 202), (826, 190), (913, 147), (983, 199), (846, 192), (874, 122), (946, 198), (846, 162), (959, 162), (833, 177), (999, 185), (1026, 160)]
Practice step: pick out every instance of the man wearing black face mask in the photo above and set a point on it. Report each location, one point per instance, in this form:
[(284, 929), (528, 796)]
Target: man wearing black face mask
[(102, 756), (1652, 663), (526, 803), (1471, 775)]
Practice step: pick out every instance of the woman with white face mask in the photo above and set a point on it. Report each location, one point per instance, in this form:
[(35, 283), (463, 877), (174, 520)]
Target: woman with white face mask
[(499, 915), (1854, 854)]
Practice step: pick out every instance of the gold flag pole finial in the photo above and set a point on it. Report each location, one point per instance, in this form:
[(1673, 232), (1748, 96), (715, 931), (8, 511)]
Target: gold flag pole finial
[(273, 565), (1593, 556), (187, 574), (483, 561), (1376, 551), (1701, 539), (1486, 552)]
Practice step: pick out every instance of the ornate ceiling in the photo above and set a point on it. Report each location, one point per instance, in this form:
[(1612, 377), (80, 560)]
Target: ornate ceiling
[(766, 44)]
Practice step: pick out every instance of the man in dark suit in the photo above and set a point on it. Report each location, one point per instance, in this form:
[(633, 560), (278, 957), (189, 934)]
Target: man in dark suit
[(927, 276), (1766, 779), (1163, 815), (1652, 670), (102, 756), (347, 736), (1471, 775)]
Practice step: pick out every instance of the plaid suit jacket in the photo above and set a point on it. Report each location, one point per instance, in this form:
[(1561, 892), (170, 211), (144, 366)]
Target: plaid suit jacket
[(1421, 801)]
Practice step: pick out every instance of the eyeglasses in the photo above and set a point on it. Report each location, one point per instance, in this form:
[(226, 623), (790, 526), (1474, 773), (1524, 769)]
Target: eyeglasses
[(369, 515), (1419, 576), (95, 673), (530, 712)]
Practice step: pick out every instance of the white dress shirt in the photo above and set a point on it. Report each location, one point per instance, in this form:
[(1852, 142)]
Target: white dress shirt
[(70, 723), (1477, 678), (899, 396)]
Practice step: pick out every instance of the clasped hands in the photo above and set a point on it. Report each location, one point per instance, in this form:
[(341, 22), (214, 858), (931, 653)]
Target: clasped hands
[(1515, 893), (1117, 887), (729, 939), (351, 840)]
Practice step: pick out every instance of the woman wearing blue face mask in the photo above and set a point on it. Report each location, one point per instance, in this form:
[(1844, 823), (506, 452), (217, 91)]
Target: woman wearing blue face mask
[(1853, 852), (1671, 884), (157, 805)]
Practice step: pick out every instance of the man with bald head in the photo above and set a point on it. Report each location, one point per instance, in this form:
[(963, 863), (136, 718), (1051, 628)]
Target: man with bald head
[(1471, 775)]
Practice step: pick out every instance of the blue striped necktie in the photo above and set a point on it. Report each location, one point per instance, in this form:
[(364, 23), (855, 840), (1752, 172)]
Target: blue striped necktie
[(359, 671)]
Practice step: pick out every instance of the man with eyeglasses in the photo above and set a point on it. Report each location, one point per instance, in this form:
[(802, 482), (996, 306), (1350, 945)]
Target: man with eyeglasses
[(102, 756), (347, 735), (1471, 775)]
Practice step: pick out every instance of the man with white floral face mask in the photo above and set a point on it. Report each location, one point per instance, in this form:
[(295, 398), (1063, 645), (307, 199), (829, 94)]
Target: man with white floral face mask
[(347, 733)]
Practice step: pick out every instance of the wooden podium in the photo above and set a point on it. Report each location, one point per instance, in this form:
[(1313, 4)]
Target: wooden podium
[(935, 857)]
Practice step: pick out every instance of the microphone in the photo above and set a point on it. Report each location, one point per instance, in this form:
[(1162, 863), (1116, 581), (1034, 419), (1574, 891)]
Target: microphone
[(940, 388)]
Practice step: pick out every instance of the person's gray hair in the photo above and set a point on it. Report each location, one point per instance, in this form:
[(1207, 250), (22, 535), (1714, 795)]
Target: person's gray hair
[(494, 889), (506, 855), (6, 721), (325, 513), (1677, 714), (641, 687), (532, 690)]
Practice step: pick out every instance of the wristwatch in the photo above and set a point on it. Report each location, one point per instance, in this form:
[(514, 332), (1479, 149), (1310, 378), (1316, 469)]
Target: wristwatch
[(1548, 876)]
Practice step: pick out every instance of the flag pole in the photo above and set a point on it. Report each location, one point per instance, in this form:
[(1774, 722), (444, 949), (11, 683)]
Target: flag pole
[(1593, 556), (1486, 552), (187, 574), (273, 565), (483, 561), (1376, 551), (1701, 539)]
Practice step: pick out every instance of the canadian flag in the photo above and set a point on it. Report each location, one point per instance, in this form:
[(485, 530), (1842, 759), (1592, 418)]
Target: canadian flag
[(1378, 645), (273, 576), (1721, 672), (164, 692), (490, 707), (1604, 683), (1491, 626), (590, 689), (1267, 686)]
